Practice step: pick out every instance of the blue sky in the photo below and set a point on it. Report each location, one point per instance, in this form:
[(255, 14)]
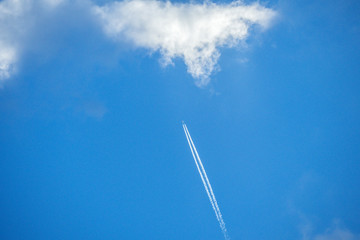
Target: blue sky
[(92, 145)]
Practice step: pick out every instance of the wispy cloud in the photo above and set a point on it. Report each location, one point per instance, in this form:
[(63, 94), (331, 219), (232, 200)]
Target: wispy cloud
[(334, 232), (17, 19), (308, 226), (95, 109), (7, 60), (337, 233), (190, 31), (11, 13)]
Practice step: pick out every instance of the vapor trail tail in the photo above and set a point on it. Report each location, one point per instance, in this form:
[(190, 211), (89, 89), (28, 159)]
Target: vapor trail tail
[(201, 175), (206, 182)]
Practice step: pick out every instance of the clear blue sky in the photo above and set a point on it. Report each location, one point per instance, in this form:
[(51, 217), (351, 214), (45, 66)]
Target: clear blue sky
[(92, 145)]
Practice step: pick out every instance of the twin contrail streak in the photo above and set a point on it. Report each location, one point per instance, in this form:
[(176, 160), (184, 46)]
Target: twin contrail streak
[(205, 181), (221, 221), (200, 172)]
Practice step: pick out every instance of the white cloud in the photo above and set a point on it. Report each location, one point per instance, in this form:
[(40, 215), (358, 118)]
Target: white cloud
[(337, 233), (95, 109), (17, 19), (53, 3), (193, 32), (10, 12), (7, 60), (190, 31)]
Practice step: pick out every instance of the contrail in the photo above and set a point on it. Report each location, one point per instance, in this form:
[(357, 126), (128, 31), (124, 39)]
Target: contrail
[(221, 221), (201, 175), (206, 182)]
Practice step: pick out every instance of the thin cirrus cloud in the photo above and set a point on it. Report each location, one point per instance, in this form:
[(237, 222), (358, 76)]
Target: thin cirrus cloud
[(335, 232), (190, 31), (17, 19), (10, 13)]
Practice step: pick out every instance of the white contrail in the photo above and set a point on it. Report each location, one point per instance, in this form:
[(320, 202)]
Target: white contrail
[(217, 211), (221, 221), (207, 184), (201, 175)]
